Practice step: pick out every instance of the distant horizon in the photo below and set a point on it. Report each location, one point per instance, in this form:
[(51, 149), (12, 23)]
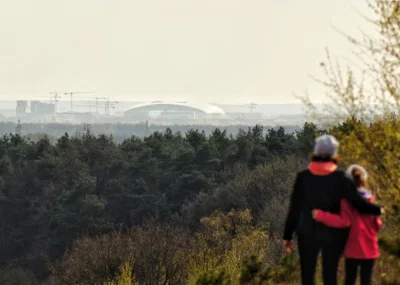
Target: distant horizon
[(7, 107), (161, 100)]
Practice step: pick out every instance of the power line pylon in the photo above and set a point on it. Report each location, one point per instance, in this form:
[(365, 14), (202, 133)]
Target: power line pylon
[(97, 103), (108, 105), (252, 107), (18, 129)]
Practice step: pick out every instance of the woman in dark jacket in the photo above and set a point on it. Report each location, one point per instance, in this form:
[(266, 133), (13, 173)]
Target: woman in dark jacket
[(321, 186)]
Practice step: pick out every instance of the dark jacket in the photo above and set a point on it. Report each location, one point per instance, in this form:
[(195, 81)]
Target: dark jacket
[(323, 192)]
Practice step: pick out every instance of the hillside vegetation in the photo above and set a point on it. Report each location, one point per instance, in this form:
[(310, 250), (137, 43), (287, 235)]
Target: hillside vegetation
[(148, 201), (174, 209)]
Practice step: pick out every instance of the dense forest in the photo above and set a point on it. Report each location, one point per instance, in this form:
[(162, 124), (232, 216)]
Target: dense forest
[(171, 208), (152, 199)]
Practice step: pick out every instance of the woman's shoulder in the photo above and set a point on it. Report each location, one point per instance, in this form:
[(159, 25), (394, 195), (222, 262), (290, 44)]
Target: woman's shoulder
[(337, 173), (341, 174)]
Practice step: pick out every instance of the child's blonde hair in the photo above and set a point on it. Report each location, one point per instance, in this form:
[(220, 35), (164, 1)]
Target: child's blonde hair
[(358, 174)]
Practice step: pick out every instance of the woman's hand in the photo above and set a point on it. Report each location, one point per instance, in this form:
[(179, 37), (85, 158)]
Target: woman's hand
[(288, 246), (314, 214)]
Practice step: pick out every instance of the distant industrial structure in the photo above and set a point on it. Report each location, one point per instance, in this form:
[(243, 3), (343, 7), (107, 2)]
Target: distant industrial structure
[(38, 111), (67, 107), (34, 109), (46, 112)]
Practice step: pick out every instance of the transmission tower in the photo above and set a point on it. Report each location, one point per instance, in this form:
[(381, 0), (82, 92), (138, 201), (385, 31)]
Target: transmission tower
[(108, 105), (97, 103), (252, 107), (86, 128), (18, 129)]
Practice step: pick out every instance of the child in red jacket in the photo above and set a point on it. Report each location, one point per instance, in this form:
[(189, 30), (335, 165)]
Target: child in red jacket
[(361, 249)]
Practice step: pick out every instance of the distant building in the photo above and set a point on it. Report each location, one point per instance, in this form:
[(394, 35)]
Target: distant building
[(174, 110), (22, 108), (42, 109)]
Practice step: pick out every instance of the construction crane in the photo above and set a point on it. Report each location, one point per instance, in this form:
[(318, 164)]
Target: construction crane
[(71, 94), (56, 100), (97, 103), (108, 105)]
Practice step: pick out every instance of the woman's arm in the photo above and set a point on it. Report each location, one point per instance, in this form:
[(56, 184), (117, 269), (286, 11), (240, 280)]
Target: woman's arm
[(360, 204), (333, 220), (296, 202)]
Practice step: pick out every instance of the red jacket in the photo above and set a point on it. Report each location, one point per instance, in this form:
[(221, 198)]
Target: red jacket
[(362, 242)]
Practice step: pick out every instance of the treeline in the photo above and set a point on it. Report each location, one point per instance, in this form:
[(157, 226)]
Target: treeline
[(120, 132), (162, 186)]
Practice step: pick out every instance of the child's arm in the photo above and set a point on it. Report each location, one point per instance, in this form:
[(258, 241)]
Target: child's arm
[(333, 220)]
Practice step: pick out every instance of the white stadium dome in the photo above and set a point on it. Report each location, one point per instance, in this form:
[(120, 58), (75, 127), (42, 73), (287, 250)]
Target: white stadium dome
[(175, 107)]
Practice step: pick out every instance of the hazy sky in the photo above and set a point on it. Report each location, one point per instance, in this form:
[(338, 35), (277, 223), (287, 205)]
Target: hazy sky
[(222, 51)]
